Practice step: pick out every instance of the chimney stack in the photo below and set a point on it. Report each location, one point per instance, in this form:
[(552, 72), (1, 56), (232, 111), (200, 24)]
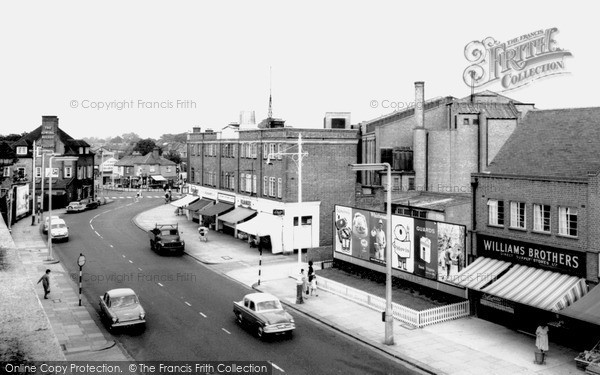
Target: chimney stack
[(419, 100)]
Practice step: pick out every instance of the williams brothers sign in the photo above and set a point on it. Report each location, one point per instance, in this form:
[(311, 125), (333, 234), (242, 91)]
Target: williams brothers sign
[(530, 254), (514, 63)]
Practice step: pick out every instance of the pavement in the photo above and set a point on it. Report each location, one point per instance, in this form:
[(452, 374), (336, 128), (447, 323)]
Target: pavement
[(462, 346)]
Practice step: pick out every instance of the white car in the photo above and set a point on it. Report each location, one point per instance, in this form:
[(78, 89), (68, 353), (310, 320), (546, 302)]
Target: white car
[(54, 218), (59, 230)]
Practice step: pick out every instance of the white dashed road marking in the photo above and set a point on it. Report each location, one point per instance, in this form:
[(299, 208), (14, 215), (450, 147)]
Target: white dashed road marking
[(187, 303), (130, 262), (229, 333), (202, 315), (277, 367), (160, 284)]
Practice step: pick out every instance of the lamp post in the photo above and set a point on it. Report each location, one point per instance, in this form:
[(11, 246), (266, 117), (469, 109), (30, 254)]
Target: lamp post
[(50, 175), (389, 318), (297, 158)]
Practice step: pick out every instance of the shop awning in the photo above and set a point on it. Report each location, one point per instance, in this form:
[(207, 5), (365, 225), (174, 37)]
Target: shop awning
[(185, 200), (539, 288), (262, 225), (158, 178), (216, 209), (480, 273), (586, 309), (199, 204), (237, 215)]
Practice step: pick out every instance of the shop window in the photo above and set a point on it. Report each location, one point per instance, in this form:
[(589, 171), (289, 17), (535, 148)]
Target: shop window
[(567, 221), (306, 220), (541, 218), (517, 215), (495, 212), (411, 183)]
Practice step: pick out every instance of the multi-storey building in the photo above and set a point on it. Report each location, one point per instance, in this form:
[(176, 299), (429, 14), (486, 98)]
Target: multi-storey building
[(145, 170), (71, 180), (536, 218), (233, 169)]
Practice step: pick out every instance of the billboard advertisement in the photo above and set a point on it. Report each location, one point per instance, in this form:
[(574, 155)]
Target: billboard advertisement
[(425, 248), (22, 200)]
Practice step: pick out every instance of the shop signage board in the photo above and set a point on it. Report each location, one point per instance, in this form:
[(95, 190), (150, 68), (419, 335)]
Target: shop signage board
[(278, 212), (426, 248), (531, 254)]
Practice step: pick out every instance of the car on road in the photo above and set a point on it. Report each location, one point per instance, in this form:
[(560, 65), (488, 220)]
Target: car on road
[(82, 205), (59, 230), (46, 222), (121, 307), (263, 314)]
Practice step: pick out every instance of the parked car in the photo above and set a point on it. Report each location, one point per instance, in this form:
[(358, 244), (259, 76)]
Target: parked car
[(45, 228), (121, 307), (82, 205), (59, 230), (263, 314)]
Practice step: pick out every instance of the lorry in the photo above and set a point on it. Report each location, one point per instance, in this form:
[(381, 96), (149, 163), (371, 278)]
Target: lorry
[(165, 238)]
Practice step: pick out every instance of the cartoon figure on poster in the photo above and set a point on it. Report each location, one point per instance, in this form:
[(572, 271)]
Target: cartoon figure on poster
[(344, 231), (402, 244), (378, 237), (360, 234), (451, 258)]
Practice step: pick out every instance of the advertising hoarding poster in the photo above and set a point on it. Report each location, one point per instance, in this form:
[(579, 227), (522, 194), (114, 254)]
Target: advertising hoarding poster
[(402, 243), (451, 257), (425, 247), (22, 200)]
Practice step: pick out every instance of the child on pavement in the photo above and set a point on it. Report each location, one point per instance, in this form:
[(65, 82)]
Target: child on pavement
[(313, 286)]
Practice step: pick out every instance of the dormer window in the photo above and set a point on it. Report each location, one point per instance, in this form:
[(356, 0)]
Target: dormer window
[(21, 150), (80, 150)]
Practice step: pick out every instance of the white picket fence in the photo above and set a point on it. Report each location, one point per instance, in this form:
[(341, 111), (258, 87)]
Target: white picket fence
[(402, 313)]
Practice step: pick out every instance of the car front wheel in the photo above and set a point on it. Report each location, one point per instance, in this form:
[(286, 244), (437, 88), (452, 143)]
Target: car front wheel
[(260, 332), (239, 318)]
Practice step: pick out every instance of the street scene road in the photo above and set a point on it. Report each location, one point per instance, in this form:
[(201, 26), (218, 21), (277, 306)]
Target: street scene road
[(189, 305)]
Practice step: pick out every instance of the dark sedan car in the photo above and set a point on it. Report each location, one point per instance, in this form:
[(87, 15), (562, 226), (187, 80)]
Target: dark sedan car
[(82, 205)]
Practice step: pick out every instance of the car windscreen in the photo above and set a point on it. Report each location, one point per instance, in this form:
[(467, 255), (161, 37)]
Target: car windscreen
[(268, 305), (59, 225), (123, 301)]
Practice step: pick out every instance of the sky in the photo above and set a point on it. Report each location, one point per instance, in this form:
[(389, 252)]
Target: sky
[(152, 68)]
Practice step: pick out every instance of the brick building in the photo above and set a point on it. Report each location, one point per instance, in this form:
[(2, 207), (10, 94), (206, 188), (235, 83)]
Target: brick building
[(433, 147), (150, 170), (536, 219), (75, 179), (245, 190)]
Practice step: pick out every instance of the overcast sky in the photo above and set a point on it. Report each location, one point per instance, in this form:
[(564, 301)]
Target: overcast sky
[(63, 58)]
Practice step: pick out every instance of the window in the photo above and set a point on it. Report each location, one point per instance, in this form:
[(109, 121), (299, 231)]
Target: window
[(567, 221), (265, 150), (495, 212), (79, 173), (279, 151), (225, 150), (89, 171), (242, 182), (411, 183), (38, 171), (279, 187), (38, 151), (21, 150), (168, 168), (243, 150), (272, 186), (127, 170), (249, 183), (517, 215), (265, 185), (465, 121), (541, 218), (272, 149), (80, 150), (254, 184), (6, 172), (254, 150), (231, 181)]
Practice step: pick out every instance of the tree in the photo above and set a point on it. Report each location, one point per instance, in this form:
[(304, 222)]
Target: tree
[(145, 146), (12, 137), (172, 138), (116, 140), (130, 137), (173, 155), (8, 156)]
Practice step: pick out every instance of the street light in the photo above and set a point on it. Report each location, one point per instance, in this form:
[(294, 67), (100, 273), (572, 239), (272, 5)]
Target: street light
[(59, 158), (389, 318), (297, 158)]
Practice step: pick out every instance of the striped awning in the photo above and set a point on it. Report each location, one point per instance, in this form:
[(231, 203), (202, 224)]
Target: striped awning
[(539, 288), (587, 308), (215, 209), (198, 204), (480, 273)]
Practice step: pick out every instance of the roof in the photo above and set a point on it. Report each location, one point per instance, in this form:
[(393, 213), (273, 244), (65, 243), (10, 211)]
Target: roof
[(552, 143), (148, 159), (120, 292), (490, 110), (260, 297), (431, 201)]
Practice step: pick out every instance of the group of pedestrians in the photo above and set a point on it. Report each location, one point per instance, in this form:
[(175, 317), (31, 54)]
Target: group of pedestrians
[(309, 282)]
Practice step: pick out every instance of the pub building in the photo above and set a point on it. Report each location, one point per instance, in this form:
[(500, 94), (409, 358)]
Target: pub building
[(536, 229)]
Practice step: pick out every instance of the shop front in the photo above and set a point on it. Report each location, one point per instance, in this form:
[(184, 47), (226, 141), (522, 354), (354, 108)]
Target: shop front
[(520, 284), (191, 211), (210, 214)]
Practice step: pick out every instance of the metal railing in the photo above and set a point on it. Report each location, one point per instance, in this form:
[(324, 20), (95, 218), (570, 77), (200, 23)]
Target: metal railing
[(402, 313)]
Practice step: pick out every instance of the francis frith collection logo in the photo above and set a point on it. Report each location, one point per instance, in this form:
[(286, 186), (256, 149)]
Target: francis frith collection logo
[(514, 63)]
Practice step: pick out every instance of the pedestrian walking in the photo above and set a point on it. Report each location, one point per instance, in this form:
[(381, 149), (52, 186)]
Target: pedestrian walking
[(45, 279), (304, 282), (311, 271), (541, 338), (313, 286)]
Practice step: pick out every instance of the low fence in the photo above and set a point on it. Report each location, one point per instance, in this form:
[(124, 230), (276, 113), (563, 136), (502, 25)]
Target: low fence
[(402, 313)]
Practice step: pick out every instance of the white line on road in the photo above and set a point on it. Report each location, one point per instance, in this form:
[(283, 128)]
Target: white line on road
[(139, 268), (98, 234), (204, 316), (277, 367), (229, 333), (130, 261), (187, 303), (111, 245), (123, 255), (160, 284)]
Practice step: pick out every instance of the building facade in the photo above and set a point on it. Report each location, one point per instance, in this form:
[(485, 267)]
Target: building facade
[(150, 170), (71, 180), (257, 169), (536, 221)]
